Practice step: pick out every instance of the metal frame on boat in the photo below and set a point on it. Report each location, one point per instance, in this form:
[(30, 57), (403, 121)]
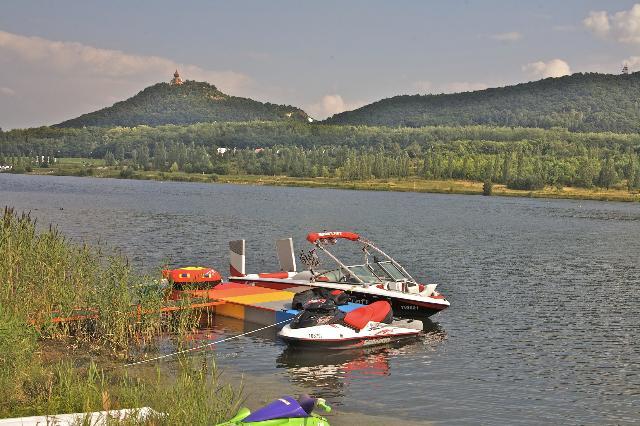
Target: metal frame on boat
[(365, 283)]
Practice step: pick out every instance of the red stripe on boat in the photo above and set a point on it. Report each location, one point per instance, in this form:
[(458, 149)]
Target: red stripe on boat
[(280, 275)]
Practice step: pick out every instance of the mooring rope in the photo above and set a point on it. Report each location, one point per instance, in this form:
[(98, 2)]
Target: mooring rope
[(184, 351)]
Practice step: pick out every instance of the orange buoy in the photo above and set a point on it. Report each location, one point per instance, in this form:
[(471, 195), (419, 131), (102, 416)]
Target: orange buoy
[(193, 274)]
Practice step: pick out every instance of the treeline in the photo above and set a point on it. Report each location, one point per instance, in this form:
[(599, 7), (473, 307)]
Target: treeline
[(579, 102), (191, 102), (523, 158), (523, 166), (96, 141)]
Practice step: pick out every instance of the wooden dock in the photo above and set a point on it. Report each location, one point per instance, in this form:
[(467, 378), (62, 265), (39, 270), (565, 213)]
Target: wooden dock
[(254, 304)]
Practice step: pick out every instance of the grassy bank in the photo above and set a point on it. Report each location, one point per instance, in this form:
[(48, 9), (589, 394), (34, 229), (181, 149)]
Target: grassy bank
[(44, 275), (96, 168)]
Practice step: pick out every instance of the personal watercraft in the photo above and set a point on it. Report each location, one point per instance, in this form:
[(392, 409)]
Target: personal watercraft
[(283, 411), (321, 325)]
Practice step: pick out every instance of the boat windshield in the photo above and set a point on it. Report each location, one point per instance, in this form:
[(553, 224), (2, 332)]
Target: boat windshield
[(388, 270), (369, 273), (364, 273)]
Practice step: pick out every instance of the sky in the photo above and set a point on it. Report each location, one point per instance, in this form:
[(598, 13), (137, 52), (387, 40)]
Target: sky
[(59, 59)]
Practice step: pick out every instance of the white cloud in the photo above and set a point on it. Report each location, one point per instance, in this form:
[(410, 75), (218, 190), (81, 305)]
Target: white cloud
[(7, 91), (330, 105), (511, 36), (72, 57), (598, 23), (623, 26), (58, 80), (633, 62), (552, 68)]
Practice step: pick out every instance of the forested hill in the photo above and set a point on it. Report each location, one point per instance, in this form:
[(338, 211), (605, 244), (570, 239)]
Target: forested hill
[(191, 102), (581, 102)]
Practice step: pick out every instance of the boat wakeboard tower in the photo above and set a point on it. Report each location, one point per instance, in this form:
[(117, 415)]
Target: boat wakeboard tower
[(379, 277)]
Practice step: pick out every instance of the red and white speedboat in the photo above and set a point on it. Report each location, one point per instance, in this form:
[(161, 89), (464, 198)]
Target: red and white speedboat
[(375, 279)]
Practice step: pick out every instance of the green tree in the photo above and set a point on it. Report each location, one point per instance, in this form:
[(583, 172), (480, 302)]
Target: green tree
[(109, 159)]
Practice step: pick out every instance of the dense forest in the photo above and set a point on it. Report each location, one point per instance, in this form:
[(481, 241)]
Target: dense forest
[(191, 102), (220, 134), (580, 102), (522, 158)]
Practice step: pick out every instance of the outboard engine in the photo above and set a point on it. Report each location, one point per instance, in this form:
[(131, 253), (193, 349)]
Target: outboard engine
[(318, 312)]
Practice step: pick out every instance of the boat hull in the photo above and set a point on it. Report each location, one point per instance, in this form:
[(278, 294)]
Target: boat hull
[(403, 307), (338, 337)]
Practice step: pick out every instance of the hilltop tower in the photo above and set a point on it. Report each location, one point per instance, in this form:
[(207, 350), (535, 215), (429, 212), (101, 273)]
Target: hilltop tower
[(176, 80), (625, 69)]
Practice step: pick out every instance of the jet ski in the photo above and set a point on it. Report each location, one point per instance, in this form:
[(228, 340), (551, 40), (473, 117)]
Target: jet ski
[(283, 411), (321, 325)]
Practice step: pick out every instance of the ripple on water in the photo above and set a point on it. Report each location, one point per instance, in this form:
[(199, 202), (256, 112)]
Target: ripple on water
[(543, 326)]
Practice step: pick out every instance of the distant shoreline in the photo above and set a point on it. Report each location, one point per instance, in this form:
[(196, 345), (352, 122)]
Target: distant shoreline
[(460, 187)]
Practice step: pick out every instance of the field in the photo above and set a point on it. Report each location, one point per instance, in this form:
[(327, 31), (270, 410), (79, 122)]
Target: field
[(96, 168)]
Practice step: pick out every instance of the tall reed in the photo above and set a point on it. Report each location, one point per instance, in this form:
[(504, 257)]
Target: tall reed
[(194, 397), (43, 275)]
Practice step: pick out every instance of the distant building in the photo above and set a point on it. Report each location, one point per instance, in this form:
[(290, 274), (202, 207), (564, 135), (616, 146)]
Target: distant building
[(221, 151), (625, 69), (176, 80)]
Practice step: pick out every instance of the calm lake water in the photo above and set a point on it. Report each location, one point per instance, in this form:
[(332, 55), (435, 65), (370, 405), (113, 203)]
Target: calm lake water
[(543, 325)]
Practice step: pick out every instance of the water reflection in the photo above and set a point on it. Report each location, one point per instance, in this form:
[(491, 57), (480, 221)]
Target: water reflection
[(330, 373), (544, 293)]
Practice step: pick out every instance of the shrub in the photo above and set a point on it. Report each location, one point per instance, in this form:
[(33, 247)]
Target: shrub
[(487, 188), (529, 183), (126, 173)]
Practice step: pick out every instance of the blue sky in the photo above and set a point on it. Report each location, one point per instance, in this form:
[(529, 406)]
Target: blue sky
[(62, 58)]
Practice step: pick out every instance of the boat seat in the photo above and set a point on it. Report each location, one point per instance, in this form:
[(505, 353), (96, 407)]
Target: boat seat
[(394, 286), (413, 288), (381, 312), (302, 275), (331, 276), (359, 318)]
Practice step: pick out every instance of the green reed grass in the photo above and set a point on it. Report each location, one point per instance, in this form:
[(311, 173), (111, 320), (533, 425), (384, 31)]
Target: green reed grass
[(195, 396), (43, 276), (47, 276)]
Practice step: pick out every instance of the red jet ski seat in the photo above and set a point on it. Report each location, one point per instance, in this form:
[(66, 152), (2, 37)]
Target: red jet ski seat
[(379, 311)]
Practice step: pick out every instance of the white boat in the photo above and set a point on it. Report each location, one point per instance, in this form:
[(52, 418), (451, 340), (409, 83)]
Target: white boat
[(375, 279), (366, 326), (97, 418)]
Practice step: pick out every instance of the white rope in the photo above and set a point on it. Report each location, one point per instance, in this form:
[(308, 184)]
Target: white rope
[(203, 346)]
